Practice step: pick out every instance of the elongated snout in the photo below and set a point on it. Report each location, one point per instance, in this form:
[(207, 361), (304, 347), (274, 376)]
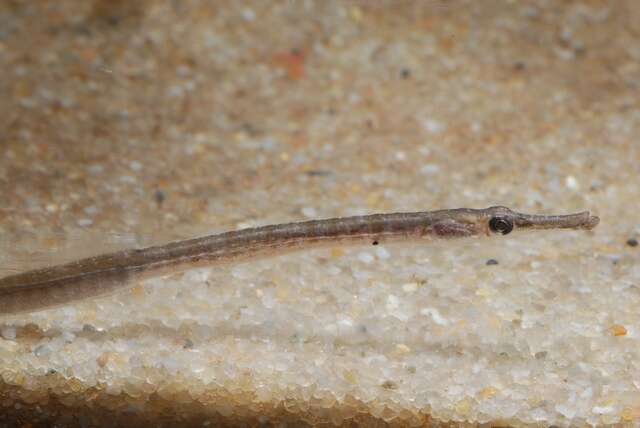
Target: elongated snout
[(582, 220)]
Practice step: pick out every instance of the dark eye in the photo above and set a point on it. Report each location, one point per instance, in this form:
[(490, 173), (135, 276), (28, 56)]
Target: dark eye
[(500, 225)]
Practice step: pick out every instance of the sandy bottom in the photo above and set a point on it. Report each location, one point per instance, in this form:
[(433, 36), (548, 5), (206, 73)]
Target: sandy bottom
[(125, 124)]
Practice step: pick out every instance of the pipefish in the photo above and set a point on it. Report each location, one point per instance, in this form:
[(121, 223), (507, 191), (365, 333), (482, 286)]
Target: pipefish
[(108, 273)]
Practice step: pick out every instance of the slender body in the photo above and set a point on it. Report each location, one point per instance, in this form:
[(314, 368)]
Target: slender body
[(95, 276)]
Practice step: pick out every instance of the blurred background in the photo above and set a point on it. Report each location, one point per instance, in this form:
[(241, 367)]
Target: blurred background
[(134, 122)]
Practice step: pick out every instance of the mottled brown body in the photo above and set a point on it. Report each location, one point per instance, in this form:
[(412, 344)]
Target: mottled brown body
[(105, 274)]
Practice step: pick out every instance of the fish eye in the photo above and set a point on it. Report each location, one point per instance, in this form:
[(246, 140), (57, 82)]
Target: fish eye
[(501, 225)]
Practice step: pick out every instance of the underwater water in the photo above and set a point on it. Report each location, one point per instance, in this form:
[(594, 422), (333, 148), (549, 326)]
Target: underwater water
[(126, 124)]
